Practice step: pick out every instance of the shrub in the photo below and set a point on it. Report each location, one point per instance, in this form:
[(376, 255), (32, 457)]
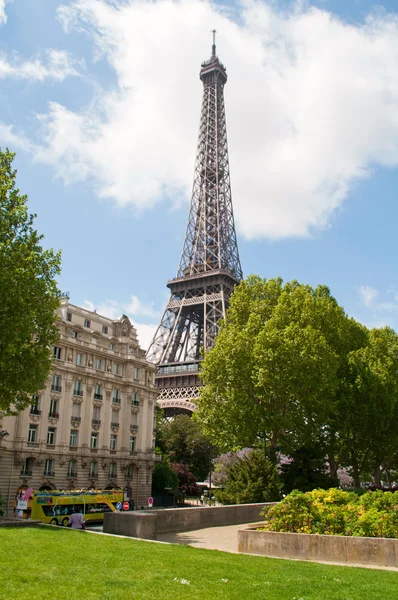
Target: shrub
[(335, 512), (251, 477)]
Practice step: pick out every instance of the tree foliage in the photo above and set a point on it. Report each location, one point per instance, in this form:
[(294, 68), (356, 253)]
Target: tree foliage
[(184, 441), (163, 477), (29, 297), (290, 371), (250, 478)]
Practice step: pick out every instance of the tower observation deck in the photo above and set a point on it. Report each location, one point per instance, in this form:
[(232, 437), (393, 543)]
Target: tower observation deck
[(209, 267)]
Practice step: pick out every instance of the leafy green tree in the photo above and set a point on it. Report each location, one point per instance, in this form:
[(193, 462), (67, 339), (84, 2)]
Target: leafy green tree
[(250, 478), (29, 297), (368, 414), (184, 441), (307, 470), (274, 374), (163, 477)]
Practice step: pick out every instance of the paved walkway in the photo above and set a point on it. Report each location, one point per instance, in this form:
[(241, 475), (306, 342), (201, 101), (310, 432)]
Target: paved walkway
[(212, 538)]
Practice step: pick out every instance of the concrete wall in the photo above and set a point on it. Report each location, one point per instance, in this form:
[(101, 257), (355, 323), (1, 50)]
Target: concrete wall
[(333, 548), (150, 524)]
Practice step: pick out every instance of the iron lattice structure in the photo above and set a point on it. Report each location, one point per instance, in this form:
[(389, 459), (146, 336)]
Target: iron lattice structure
[(209, 267)]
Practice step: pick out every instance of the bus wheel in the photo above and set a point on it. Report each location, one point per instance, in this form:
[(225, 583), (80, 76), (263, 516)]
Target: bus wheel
[(65, 522), (53, 522)]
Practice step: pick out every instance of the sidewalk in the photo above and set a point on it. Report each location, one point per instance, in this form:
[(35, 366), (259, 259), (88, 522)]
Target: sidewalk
[(212, 538)]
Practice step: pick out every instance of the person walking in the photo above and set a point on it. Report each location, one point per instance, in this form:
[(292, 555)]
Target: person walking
[(76, 521)]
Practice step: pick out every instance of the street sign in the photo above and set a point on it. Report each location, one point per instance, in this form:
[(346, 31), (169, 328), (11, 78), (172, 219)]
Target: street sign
[(126, 505), (150, 501), (119, 506)]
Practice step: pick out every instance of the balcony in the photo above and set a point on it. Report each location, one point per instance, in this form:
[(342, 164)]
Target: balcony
[(25, 473), (114, 424), (56, 388), (78, 392), (133, 427), (33, 444), (53, 415), (97, 396), (116, 400), (75, 419), (49, 474), (72, 475), (135, 403), (96, 421), (93, 475), (34, 411)]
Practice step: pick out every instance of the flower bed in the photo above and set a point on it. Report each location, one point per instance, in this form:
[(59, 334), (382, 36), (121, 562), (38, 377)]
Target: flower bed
[(335, 512)]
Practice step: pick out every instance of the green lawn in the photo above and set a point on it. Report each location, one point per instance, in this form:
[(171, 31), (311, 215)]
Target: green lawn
[(72, 565)]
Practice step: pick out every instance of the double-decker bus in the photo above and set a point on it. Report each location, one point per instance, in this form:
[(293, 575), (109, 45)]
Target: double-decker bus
[(56, 506)]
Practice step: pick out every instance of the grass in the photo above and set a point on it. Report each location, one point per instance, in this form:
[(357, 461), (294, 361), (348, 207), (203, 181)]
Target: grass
[(73, 565)]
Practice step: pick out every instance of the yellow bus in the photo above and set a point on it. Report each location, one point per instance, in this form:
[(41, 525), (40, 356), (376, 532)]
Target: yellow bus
[(55, 507)]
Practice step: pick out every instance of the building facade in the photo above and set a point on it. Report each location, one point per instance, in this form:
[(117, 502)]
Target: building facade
[(93, 426)]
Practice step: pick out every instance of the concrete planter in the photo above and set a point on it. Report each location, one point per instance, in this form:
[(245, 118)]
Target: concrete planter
[(332, 548)]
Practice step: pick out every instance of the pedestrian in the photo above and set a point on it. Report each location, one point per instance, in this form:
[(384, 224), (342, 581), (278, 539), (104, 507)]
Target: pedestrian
[(76, 521), (131, 504)]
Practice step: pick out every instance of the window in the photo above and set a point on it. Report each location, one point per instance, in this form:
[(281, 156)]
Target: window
[(112, 470), (76, 410), (51, 436), (78, 389), (32, 433), (69, 316), (98, 364), (74, 334), (73, 438), (79, 359), (53, 408), (135, 399), (136, 373), (94, 440), (98, 391), (116, 396), (129, 472), (115, 417), (57, 352), (35, 405), (104, 329), (111, 346), (87, 323), (56, 384), (132, 444), (113, 442), (153, 443), (93, 469), (96, 415), (27, 467), (72, 468), (49, 467), (116, 369)]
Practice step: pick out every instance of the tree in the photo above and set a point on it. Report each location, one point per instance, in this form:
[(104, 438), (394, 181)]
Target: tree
[(163, 477), (250, 478), (307, 470), (274, 374), (29, 297), (184, 441), (368, 413), (186, 479)]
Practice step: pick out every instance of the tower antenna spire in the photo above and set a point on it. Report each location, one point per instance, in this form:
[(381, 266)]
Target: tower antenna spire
[(213, 48)]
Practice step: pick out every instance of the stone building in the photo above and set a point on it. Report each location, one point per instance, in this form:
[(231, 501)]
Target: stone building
[(94, 423)]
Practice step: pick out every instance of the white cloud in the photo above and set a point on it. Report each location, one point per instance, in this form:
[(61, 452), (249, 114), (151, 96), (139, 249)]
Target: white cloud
[(16, 141), (113, 310), (52, 64), (3, 15), (368, 295), (311, 101)]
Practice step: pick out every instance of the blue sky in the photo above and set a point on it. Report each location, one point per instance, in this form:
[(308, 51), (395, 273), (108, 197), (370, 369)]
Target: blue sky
[(101, 102)]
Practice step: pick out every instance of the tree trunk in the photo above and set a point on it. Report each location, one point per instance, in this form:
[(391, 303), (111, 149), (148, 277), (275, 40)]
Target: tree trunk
[(333, 466), (355, 474), (377, 476)]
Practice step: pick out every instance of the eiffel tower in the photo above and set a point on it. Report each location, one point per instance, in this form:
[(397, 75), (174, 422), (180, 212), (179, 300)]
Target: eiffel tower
[(209, 267)]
